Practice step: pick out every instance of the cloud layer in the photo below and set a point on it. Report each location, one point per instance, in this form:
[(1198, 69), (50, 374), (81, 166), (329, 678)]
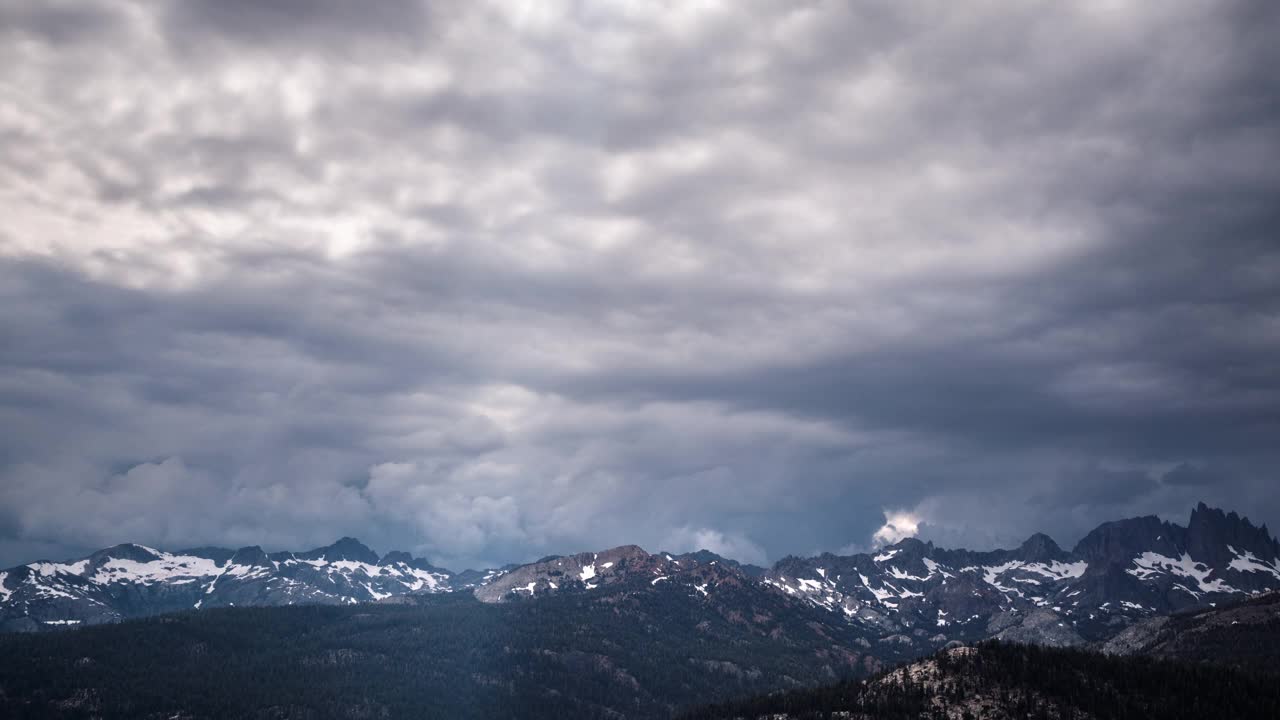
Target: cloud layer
[(491, 280)]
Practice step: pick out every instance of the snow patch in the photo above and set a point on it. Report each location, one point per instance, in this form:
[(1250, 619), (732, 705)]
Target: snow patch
[(1248, 562), (164, 567), (1058, 570), (882, 595), (422, 579), (1149, 563), (47, 569), (936, 568), (991, 575), (374, 593), (1055, 570), (587, 573), (48, 590), (352, 566), (245, 571), (900, 575)]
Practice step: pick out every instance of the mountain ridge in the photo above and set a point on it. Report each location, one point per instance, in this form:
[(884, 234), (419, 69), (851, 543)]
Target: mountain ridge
[(910, 593)]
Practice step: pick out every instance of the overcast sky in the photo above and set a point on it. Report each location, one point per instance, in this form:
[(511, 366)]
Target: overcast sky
[(490, 280)]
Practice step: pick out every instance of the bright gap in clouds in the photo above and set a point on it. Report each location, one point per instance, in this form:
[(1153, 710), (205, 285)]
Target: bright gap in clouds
[(898, 525)]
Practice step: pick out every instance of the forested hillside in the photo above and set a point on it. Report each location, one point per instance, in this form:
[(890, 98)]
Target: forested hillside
[(642, 655), (995, 680), (1244, 635)]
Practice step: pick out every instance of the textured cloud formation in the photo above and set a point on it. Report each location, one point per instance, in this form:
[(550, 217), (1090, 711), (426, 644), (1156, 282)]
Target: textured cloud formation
[(898, 525), (487, 281)]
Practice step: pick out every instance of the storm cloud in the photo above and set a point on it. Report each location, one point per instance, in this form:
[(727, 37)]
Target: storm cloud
[(487, 281)]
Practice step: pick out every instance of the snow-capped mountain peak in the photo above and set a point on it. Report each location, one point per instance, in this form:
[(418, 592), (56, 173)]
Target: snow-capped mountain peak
[(130, 580), (1120, 572), (912, 592)]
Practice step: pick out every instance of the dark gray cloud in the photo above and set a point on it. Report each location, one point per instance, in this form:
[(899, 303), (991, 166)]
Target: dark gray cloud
[(324, 26), (57, 22), (491, 280)]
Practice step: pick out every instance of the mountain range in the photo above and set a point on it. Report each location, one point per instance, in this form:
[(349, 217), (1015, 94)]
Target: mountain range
[(907, 598), (342, 632)]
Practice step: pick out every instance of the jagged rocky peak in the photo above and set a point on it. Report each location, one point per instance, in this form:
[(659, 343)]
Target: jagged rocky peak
[(347, 548), (701, 556), (910, 548), (1212, 533), (1040, 548), (126, 551), (252, 555), (402, 558), (1212, 537), (906, 554), (396, 556), (624, 552), (587, 571), (794, 564), (706, 557), (1121, 540)]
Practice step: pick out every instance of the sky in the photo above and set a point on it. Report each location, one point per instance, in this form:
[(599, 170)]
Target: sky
[(487, 281)]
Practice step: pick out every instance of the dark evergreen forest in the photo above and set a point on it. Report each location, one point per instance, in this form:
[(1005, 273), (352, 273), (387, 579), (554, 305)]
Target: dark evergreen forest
[(633, 655), (1022, 681), (450, 656)]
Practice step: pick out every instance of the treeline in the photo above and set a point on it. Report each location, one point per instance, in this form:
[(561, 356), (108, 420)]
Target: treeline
[(1006, 680)]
